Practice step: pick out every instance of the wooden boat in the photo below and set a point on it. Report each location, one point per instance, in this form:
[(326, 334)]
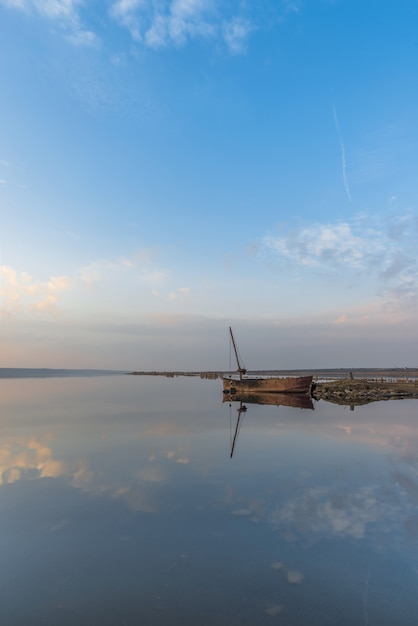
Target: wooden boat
[(242, 384)]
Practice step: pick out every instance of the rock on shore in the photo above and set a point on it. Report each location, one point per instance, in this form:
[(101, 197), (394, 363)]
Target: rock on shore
[(362, 390)]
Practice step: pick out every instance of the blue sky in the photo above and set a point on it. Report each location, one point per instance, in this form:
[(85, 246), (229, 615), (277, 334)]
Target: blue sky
[(171, 167)]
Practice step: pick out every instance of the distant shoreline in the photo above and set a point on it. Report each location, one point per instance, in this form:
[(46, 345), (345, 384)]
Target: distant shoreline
[(47, 372), (394, 373), (333, 373)]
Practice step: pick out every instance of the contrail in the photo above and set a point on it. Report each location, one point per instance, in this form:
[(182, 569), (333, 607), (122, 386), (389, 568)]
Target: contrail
[(345, 181)]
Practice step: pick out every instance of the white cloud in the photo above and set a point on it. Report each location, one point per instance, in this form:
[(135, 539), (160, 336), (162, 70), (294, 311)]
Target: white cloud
[(125, 13), (341, 320), (236, 34), (370, 261), (163, 23), (97, 271), (66, 12), (323, 244), (154, 277), (291, 6), (125, 262), (14, 4), (182, 292), (52, 9), (175, 22), (21, 293), (184, 19), (382, 247), (93, 272), (83, 38), (56, 8)]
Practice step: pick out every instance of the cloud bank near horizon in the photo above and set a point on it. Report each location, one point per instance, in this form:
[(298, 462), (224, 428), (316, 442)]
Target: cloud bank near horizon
[(375, 252)]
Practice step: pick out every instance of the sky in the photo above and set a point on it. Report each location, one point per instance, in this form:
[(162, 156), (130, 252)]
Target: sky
[(170, 168)]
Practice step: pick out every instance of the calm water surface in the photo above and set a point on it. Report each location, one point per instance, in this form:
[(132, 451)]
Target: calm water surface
[(120, 505)]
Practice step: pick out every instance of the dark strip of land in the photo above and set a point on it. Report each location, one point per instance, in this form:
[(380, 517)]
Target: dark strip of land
[(332, 373)]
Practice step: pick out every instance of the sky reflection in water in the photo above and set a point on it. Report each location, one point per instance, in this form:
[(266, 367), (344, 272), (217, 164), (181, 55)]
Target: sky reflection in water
[(119, 504)]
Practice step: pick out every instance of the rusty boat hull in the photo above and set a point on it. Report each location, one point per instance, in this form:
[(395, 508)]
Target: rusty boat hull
[(287, 384)]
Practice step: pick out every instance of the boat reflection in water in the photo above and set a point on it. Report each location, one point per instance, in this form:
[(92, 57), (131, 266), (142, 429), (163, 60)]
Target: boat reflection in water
[(297, 401)]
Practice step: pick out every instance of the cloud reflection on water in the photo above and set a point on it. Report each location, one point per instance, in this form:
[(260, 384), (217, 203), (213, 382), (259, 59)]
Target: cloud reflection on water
[(22, 457), (153, 483), (330, 512), (341, 509)]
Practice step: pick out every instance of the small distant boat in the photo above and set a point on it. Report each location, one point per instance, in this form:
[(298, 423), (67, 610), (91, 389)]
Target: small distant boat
[(266, 384)]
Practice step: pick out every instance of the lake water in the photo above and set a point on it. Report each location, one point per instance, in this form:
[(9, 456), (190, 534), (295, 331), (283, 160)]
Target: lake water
[(120, 505)]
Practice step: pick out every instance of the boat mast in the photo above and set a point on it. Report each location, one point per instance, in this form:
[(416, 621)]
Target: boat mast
[(241, 370)]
